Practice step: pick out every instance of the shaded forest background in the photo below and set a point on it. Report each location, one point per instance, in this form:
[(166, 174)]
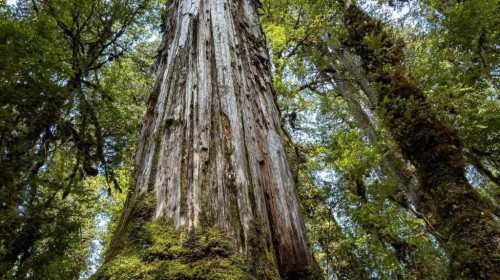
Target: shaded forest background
[(384, 103)]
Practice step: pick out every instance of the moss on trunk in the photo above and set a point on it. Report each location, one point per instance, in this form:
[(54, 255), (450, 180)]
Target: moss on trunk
[(471, 235), (158, 251), (143, 248)]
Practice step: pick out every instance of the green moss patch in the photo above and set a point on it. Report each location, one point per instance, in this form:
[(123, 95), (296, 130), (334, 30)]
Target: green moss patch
[(157, 251)]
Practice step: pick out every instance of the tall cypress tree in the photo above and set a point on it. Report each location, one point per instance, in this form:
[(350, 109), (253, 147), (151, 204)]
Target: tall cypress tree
[(212, 184)]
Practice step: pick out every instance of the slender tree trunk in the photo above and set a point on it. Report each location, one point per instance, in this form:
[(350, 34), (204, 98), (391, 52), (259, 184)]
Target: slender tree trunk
[(400, 170), (211, 148)]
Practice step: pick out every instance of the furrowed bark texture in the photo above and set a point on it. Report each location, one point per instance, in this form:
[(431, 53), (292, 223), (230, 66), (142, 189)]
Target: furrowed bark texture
[(211, 147), (471, 234)]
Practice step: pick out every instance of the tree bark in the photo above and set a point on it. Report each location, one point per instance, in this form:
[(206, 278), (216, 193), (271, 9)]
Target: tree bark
[(211, 147)]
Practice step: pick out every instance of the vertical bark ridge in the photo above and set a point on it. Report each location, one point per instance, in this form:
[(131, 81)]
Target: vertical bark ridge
[(210, 145)]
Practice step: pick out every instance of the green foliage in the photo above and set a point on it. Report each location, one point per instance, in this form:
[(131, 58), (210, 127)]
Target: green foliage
[(457, 65), (63, 122)]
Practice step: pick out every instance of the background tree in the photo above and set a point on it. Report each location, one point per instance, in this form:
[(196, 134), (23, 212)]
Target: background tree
[(311, 35)]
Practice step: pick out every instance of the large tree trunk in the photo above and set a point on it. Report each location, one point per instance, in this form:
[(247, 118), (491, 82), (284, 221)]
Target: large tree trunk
[(471, 236), (211, 147)]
